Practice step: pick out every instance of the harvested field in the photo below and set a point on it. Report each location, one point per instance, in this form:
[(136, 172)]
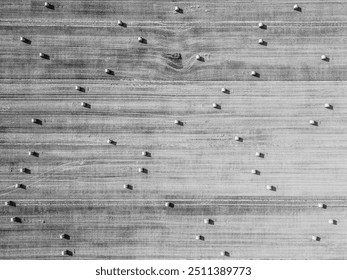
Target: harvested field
[(75, 182)]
